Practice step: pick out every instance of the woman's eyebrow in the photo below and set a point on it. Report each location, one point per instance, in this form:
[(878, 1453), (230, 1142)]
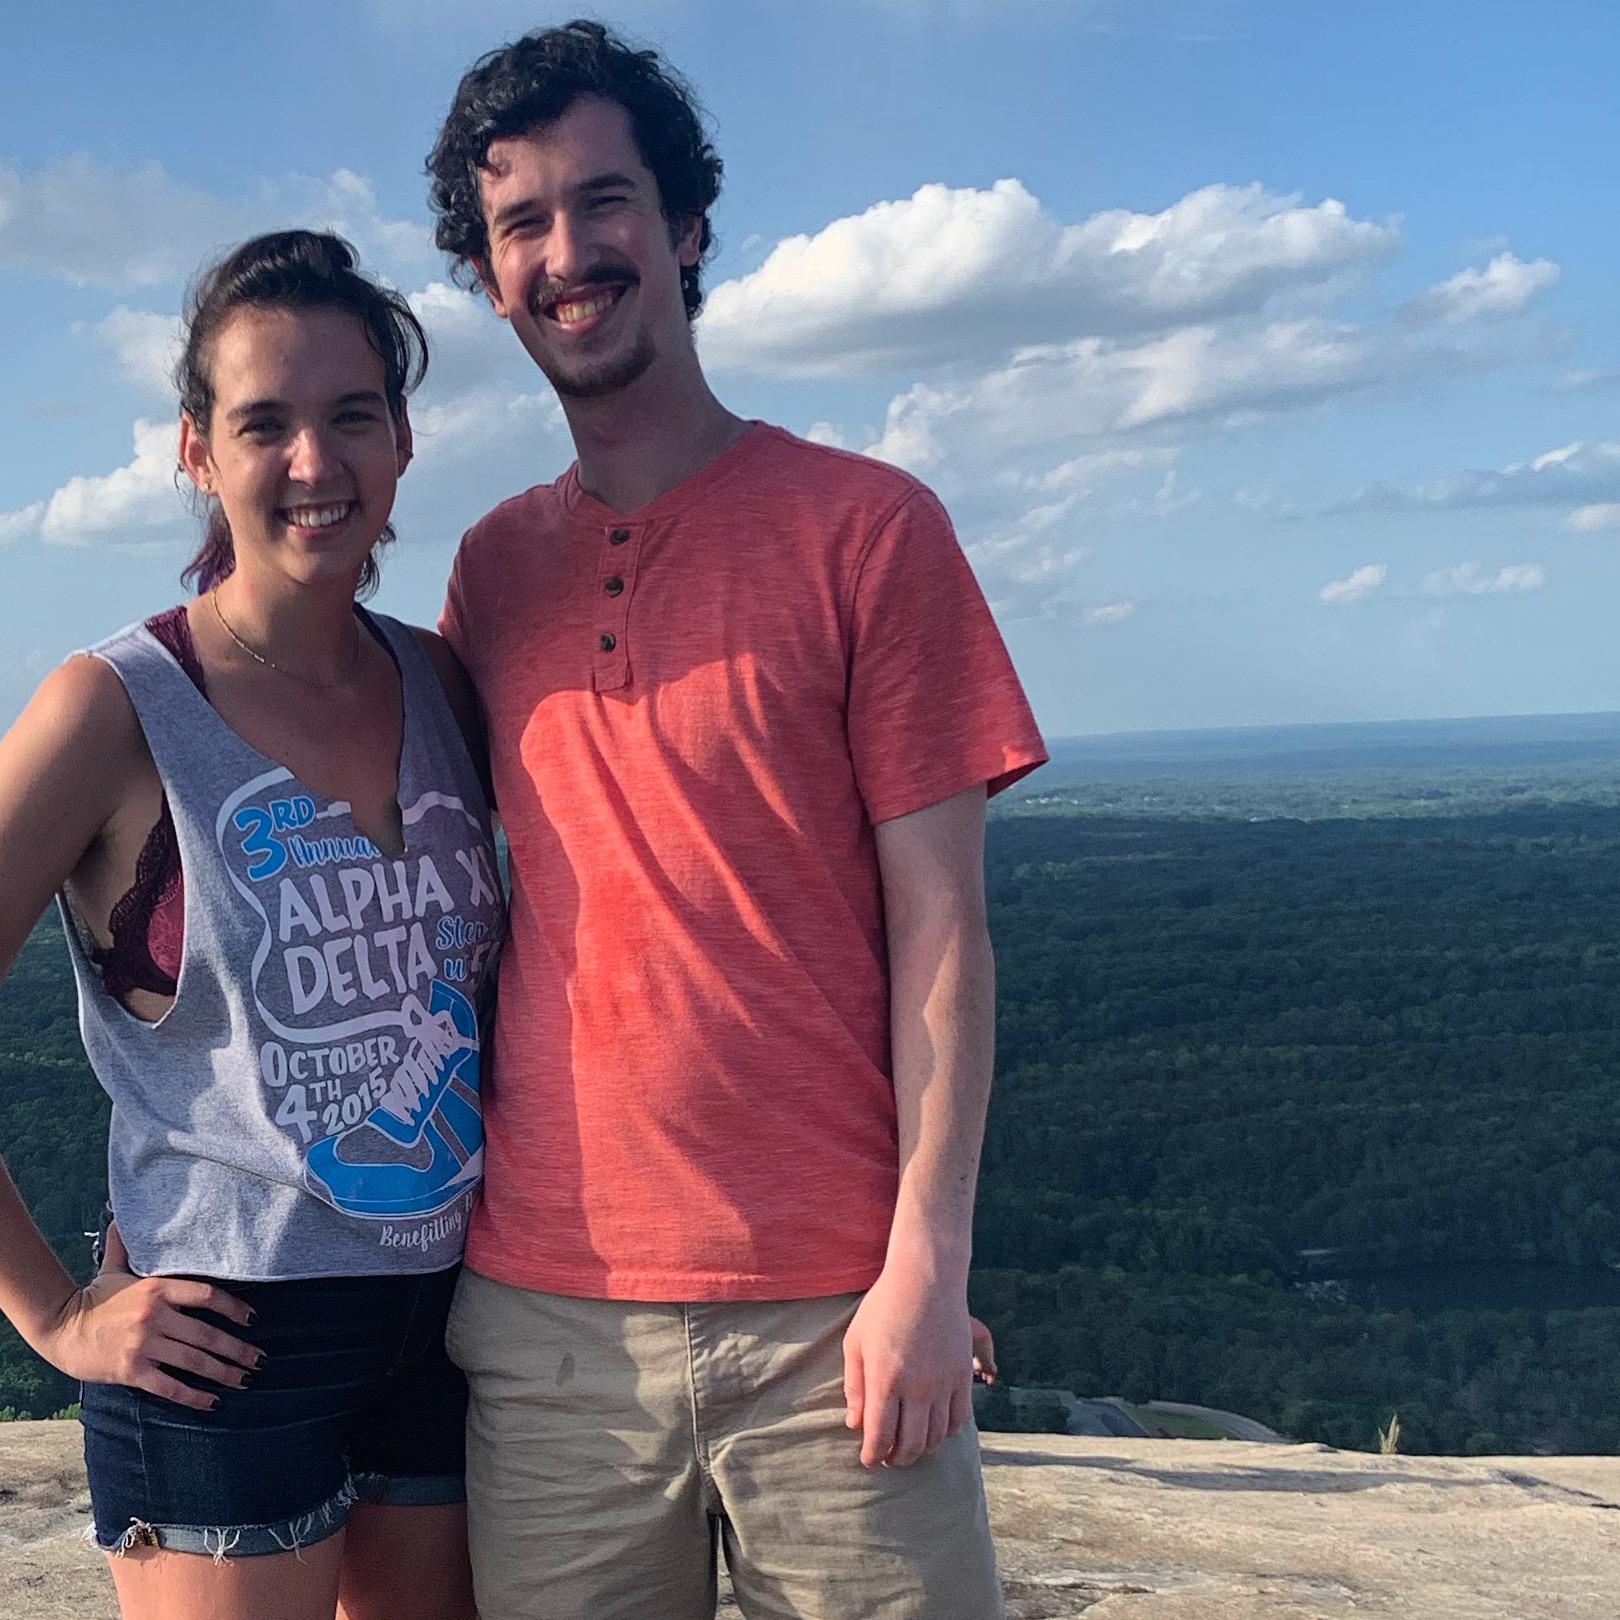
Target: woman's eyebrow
[(240, 413), (355, 396)]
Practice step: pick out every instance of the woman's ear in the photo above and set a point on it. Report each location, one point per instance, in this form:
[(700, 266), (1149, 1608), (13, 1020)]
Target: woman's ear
[(404, 443), (195, 461)]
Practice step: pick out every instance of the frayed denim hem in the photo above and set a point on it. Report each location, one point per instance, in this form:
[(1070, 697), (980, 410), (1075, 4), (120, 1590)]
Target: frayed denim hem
[(223, 1541)]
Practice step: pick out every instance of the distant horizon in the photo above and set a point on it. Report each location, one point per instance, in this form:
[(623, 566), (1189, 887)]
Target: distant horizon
[(1324, 725)]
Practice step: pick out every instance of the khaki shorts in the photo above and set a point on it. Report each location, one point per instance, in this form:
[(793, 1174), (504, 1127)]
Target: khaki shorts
[(612, 1447)]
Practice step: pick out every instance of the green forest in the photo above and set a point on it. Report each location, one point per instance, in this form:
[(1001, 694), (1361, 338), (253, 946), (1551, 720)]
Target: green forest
[(1260, 1015)]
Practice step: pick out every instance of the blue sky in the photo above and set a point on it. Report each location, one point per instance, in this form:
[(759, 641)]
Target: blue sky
[(1266, 351)]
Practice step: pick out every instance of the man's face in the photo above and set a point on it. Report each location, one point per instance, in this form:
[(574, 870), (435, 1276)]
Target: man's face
[(581, 260)]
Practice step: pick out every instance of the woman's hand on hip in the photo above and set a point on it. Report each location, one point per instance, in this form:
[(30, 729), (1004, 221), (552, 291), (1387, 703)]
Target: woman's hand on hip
[(124, 1329)]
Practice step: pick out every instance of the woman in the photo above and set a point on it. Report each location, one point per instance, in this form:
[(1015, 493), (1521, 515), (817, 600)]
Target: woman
[(274, 857)]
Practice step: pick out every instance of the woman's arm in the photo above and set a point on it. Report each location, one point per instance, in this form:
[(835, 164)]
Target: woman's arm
[(463, 699), (68, 770)]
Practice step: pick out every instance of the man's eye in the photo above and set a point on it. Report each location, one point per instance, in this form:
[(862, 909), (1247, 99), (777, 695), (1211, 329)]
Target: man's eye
[(608, 201), (261, 427)]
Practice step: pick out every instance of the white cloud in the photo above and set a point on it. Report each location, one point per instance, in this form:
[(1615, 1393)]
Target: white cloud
[(470, 347), (24, 522), (126, 226), (346, 202), (1595, 518), (958, 273), (1582, 472), (1110, 613), (1027, 566), (1590, 380), (827, 433), (1506, 286), (1193, 378), (1084, 473), (94, 224), (1467, 579), (145, 346), (1165, 501), (140, 495), (1356, 587)]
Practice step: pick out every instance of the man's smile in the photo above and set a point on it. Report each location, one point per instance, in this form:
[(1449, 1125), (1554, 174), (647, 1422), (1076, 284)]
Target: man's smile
[(578, 310)]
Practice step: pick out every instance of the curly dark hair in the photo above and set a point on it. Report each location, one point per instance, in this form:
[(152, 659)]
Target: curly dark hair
[(289, 270), (533, 81)]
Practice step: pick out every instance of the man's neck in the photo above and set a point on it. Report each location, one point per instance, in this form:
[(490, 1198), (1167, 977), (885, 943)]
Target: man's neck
[(639, 443)]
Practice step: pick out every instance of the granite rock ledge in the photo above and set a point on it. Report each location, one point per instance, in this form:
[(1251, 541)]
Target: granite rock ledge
[(1117, 1529)]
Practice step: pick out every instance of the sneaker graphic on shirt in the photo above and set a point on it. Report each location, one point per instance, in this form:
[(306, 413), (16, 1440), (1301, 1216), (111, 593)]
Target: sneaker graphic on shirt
[(422, 1145)]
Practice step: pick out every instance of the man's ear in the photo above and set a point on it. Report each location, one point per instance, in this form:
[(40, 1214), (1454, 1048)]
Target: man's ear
[(195, 461), (489, 287), (689, 241)]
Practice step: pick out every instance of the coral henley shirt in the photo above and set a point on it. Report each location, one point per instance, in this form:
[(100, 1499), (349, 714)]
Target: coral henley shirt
[(697, 714)]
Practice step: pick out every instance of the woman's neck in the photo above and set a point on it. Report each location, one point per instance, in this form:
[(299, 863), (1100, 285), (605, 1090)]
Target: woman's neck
[(304, 630)]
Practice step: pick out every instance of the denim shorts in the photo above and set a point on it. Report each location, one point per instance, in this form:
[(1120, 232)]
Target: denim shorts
[(356, 1401)]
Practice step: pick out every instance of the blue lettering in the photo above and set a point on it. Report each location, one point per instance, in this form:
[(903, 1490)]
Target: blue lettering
[(268, 856), (290, 813)]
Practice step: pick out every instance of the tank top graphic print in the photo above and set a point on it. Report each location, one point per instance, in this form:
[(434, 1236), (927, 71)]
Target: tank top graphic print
[(309, 1106)]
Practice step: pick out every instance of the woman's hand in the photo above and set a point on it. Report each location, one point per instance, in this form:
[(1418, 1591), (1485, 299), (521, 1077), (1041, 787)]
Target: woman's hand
[(124, 1329)]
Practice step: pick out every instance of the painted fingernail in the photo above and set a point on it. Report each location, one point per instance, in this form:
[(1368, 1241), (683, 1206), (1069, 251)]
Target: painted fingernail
[(213, 1404), (252, 1317), (261, 1361), (246, 1379)]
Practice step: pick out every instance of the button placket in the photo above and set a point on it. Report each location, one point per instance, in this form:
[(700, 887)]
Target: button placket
[(615, 584)]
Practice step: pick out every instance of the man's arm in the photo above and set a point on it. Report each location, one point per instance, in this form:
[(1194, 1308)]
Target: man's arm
[(908, 1351)]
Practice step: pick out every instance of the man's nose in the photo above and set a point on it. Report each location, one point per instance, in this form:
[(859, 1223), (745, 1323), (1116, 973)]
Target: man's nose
[(567, 252)]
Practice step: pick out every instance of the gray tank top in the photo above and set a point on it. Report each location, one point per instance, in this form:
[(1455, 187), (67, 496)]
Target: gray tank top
[(308, 1106)]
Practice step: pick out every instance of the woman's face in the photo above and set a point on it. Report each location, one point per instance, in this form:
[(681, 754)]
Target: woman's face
[(302, 452)]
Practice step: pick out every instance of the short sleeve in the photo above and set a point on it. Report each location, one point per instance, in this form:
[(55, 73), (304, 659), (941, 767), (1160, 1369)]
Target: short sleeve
[(452, 616), (935, 706)]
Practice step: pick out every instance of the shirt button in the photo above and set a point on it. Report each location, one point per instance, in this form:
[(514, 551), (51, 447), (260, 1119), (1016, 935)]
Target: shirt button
[(613, 585), (619, 536), (607, 641)]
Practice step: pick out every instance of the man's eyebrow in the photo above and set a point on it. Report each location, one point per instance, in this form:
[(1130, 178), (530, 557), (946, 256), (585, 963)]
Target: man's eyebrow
[(607, 182)]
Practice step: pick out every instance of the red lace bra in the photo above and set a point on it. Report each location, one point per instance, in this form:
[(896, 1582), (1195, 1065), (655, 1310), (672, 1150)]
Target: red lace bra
[(148, 924)]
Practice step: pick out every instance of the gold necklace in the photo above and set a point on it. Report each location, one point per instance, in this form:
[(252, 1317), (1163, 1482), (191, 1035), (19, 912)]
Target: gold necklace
[(270, 663)]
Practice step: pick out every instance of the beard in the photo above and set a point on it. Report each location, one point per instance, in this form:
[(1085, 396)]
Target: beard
[(592, 379)]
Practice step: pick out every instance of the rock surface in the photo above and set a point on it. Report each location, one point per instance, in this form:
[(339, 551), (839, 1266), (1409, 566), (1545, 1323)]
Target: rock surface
[(1118, 1530)]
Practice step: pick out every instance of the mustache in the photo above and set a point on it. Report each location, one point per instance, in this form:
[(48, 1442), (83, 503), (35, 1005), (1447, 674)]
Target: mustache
[(599, 275)]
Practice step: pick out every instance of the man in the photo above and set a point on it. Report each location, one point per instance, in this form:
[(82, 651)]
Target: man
[(745, 702)]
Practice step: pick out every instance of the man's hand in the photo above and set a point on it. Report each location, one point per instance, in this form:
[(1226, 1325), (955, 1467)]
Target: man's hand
[(908, 1369), (984, 1351), (123, 1329)]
